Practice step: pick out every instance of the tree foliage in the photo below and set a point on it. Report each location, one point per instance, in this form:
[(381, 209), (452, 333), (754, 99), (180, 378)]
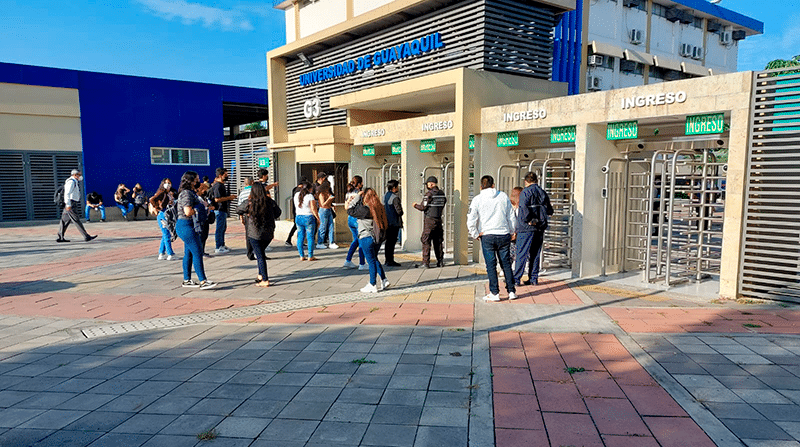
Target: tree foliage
[(785, 63), (254, 126)]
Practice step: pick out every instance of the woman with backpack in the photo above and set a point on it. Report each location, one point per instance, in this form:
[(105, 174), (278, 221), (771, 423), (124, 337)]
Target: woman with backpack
[(372, 224), (158, 203), (259, 220), (139, 201), (187, 204)]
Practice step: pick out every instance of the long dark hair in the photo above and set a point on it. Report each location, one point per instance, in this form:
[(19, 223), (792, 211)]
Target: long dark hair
[(188, 180), (258, 208), (304, 190), (161, 185), (376, 208)]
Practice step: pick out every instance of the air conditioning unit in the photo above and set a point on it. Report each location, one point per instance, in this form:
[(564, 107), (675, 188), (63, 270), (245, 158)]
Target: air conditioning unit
[(686, 50), (627, 66), (635, 36), (596, 60), (725, 37), (631, 3), (713, 26), (738, 35), (595, 83), (697, 53)]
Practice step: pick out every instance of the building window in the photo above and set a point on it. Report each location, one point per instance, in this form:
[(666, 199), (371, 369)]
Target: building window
[(631, 67), (176, 156)]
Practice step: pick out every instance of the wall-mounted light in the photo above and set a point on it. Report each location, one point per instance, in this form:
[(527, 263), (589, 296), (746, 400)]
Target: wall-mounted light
[(305, 59)]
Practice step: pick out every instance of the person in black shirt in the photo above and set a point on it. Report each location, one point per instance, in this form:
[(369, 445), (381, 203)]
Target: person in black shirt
[(219, 193), (432, 232), (95, 201)]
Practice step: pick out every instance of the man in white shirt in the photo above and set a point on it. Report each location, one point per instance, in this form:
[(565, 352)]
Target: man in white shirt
[(491, 221), (72, 199)]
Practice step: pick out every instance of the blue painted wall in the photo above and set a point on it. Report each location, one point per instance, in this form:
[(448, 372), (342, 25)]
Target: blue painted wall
[(567, 43), (123, 116)]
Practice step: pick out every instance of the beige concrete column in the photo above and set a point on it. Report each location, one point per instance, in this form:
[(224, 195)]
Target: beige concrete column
[(592, 150), (276, 93)]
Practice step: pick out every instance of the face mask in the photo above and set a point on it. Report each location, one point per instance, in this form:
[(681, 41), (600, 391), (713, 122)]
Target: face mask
[(80, 178), (167, 185)]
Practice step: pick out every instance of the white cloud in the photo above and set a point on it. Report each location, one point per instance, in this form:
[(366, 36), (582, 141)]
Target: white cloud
[(757, 51), (191, 13)]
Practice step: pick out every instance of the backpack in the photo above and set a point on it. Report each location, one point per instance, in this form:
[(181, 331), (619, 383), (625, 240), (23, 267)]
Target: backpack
[(58, 198), (171, 219)]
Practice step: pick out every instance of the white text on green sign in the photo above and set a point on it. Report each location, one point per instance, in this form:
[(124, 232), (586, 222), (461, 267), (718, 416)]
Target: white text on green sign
[(625, 130), (705, 124), (564, 134), (368, 150), (508, 139), (427, 146), (472, 141), (397, 149), (263, 162)]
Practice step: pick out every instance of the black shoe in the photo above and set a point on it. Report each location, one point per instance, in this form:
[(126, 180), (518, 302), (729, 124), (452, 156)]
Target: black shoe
[(440, 264), (89, 238), (532, 282), (289, 243), (251, 257), (392, 264), (422, 266), (62, 240), (102, 220)]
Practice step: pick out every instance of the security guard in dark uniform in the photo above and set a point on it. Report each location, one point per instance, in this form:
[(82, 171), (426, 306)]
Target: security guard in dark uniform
[(432, 232)]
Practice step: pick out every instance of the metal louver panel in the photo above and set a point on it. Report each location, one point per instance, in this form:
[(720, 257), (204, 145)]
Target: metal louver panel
[(241, 158), (771, 247), (30, 179), (13, 200)]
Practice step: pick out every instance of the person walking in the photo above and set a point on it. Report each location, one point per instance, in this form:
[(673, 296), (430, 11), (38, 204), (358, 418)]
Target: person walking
[(394, 217), (192, 252), (325, 198), (491, 221), (222, 204), (123, 202), (257, 212), (244, 194), (372, 225), (94, 201), (432, 231), (307, 220), (72, 200), (263, 179), (353, 190), (163, 198), (139, 197), (205, 224), (534, 207)]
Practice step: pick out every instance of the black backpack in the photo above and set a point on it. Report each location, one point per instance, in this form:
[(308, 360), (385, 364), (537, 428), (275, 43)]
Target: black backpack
[(171, 219), (58, 198)]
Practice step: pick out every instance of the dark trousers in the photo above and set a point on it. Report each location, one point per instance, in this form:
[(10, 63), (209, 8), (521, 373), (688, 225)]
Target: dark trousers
[(498, 247), (529, 247), (291, 233), (258, 247), (204, 236), (391, 241), (70, 216), (432, 234), (136, 209), (251, 251)]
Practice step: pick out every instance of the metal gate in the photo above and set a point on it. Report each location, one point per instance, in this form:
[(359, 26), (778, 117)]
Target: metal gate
[(29, 179), (241, 159), (377, 177), (771, 242), (661, 215)]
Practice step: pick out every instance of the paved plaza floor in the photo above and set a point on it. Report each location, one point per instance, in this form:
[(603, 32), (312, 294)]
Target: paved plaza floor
[(101, 346)]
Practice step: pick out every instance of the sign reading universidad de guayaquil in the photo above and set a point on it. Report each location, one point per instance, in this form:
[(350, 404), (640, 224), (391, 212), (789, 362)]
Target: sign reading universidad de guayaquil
[(405, 50), (625, 130), (427, 146), (397, 148), (368, 150), (564, 134), (508, 139), (705, 124)]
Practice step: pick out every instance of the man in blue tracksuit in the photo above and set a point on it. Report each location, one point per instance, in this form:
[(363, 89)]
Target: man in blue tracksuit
[(534, 207)]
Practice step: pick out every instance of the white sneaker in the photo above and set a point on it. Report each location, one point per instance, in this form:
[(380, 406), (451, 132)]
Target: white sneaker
[(207, 285), (349, 265), (190, 283), (161, 256), (333, 246), (226, 248), (512, 296), (369, 288), (491, 297), (169, 258), (269, 248), (363, 267), (321, 246), (220, 251), (385, 284)]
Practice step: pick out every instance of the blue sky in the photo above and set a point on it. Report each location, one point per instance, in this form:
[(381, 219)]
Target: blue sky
[(226, 41)]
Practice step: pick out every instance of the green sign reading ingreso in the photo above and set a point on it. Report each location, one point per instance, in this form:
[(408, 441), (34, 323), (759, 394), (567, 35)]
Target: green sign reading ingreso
[(368, 150), (263, 162), (625, 130), (705, 124), (564, 134), (397, 149), (427, 146), (508, 139)]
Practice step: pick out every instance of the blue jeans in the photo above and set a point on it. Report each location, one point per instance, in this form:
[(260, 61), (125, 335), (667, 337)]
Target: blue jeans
[(192, 252), (306, 230), (352, 223), (529, 249), (258, 249), (370, 249), (325, 225), (498, 246), (166, 237), (102, 212), (222, 226), (125, 209)]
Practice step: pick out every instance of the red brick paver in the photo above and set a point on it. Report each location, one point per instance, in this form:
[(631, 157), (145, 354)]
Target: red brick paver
[(547, 292), (680, 320)]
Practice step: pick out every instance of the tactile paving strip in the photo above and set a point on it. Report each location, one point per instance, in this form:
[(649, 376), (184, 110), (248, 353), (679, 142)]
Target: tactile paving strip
[(261, 309)]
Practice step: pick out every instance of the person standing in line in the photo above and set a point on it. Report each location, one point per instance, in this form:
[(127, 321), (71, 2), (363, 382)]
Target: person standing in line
[(307, 220), (123, 202), (222, 204), (263, 179), (295, 190), (163, 198), (257, 212), (321, 179), (139, 197), (72, 199), (192, 254), (515, 192), (353, 190), (534, 207), (432, 232), (394, 217), (491, 221), (95, 201), (244, 194), (205, 224), (372, 224), (325, 198)]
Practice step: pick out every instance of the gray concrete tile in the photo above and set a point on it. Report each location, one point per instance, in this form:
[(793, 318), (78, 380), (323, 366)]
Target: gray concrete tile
[(793, 395), (763, 396), (403, 397), (742, 382), (717, 394), (171, 441), (748, 359), (409, 382), (347, 412), (103, 421), (234, 391), (761, 371), (120, 439), (444, 417), (116, 386), (782, 383), (329, 380), (145, 424), (360, 395), (12, 417), (389, 435), (211, 406), (387, 348), (36, 384), (769, 443), (317, 394), (9, 398), (724, 369), (449, 384), (413, 369), (86, 401), (428, 436), (69, 438), (260, 408), (728, 410), (288, 430), (153, 388), (369, 381), (691, 381), (689, 367), (756, 429), (242, 427), (53, 419), (171, 405), (276, 392), (338, 368), (449, 399), (176, 374), (424, 359), (191, 424), (302, 367), (733, 349), (305, 410), (779, 412), (397, 414), (345, 433), (251, 377), (230, 442), (285, 378), (23, 437), (792, 428), (213, 375)]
